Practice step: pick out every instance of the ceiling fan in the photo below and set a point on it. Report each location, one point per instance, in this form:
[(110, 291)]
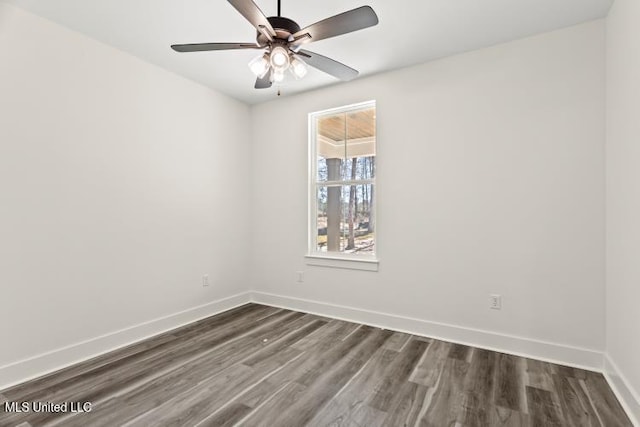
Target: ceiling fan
[(282, 40)]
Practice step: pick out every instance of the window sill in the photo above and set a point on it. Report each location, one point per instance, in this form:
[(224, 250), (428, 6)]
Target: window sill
[(349, 263)]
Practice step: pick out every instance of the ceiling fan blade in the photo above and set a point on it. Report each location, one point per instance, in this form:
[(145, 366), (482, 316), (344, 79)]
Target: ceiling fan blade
[(264, 82), (353, 20), (202, 47), (328, 65), (253, 14)]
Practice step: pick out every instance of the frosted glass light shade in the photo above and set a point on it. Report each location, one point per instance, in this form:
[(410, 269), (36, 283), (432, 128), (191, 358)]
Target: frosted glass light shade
[(278, 76), (259, 65), (279, 58), (298, 68)]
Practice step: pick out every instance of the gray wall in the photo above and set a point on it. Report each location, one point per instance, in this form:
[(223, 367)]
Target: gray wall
[(623, 197)]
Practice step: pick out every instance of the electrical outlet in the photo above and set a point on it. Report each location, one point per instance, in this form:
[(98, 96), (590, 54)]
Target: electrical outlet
[(300, 276), (205, 280), (495, 302)]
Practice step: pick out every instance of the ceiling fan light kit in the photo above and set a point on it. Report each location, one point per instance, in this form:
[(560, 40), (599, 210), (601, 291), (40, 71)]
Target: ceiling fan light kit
[(280, 60), (282, 40), (260, 65), (298, 68)]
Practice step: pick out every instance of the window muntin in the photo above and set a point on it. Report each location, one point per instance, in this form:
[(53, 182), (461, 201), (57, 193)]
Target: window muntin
[(342, 187)]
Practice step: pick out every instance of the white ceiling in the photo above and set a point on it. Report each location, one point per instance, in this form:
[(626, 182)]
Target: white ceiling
[(410, 32)]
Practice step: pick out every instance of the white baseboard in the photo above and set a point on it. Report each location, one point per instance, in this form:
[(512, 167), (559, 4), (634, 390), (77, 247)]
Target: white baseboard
[(626, 394), (519, 346), (54, 360)]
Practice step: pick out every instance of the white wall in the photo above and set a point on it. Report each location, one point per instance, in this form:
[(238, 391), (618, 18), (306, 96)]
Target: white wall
[(120, 185), (491, 180), (623, 194)]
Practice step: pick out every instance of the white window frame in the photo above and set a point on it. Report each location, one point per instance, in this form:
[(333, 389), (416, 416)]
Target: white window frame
[(367, 262)]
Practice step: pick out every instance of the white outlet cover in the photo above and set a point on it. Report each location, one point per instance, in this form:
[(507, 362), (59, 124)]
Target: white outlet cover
[(495, 302)]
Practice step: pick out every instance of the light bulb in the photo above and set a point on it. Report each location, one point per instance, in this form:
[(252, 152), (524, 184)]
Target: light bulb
[(298, 68), (259, 65), (278, 76), (279, 58)]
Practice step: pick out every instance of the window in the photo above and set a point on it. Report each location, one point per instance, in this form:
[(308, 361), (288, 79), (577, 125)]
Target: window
[(342, 170)]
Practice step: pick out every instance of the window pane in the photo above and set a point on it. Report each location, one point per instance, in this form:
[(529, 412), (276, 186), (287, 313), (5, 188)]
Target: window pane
[(329, 218), (345, 145), (330, 146), (360, 148), (358, 168), (330, 169), (345, 221)]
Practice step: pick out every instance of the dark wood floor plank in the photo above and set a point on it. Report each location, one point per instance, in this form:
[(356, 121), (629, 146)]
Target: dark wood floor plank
[(397, 374), (318, 364), (430, 367), (408, 405), (475, 411), (281, 344), (478, 388), (227, 417), (321, 388), (335, 329), (258, 365), (504, 417), (350, 404), (540, 374), (331, 336), (336, 413), (460, 352), (445, 399), (576, 408), (310, 364), (366, 416), (542, 409), (509, 387), (607, 407), (397, 341), (277, 406), (569, 372)]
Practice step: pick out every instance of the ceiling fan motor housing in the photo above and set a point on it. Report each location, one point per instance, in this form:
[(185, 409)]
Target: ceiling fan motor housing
[(283, 27)]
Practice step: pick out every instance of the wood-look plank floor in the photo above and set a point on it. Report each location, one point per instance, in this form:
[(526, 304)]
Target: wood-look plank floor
[(263, 366)]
